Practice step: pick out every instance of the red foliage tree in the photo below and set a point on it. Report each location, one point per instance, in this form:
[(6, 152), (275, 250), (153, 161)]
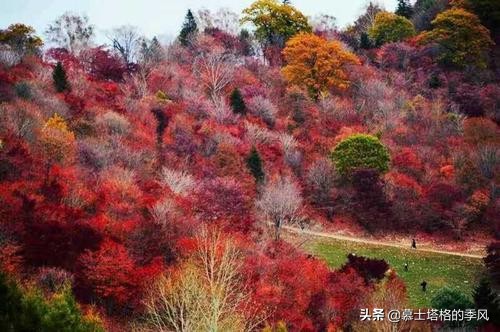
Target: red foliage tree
[(490, 101), (467, 97), (103, 65), (372, 270), (6, 87), (225, 202), (369, 201), (299, 289), (68, 60), (226, 40), (113, 276), (53, 234), (443, 194), (408, 161), (337, 305)]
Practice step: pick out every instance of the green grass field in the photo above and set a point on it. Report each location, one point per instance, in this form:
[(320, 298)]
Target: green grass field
[(437, 269)]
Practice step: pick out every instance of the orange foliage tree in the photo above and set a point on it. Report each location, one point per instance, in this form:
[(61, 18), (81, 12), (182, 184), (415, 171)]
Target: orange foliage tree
[(317, 64), (57, 140)]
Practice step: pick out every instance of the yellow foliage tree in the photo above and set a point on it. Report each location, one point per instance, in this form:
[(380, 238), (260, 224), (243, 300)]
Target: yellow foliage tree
[(389, 27), (317, 64), (463, 40), (275, 22), (21, 38), (57, 140)]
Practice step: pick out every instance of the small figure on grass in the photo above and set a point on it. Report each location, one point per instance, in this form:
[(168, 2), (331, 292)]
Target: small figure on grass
[(424, 286)]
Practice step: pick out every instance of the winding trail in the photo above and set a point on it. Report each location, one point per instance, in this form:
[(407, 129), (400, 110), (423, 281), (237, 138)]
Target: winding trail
[(297, 230)]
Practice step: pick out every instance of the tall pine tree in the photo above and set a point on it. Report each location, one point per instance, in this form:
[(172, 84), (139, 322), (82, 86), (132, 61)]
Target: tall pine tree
[(404, 9), (60, 80), (237, 102), (254, 164), (150, 52), (364, 41), (189, 29)]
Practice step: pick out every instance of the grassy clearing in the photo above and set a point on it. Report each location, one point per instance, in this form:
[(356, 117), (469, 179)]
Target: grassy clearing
[(437, 269)]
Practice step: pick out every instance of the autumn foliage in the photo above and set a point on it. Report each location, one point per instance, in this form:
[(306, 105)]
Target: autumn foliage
[(155, 189), (317, 65), (389, 27), (464, 40)]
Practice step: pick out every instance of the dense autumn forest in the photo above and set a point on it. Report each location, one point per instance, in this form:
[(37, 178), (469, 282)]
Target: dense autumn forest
[(151, 186)]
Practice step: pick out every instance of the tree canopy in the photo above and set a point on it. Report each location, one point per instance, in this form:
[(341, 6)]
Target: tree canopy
[(389, 27), (404, 9), (189, 29), (316, 64), (463, 40), (275, 22), (360, 151), (60, 79), (71, 31), (21, 38)]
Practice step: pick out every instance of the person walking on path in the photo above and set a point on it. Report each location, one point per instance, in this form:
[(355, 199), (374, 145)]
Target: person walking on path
[(413, 244)]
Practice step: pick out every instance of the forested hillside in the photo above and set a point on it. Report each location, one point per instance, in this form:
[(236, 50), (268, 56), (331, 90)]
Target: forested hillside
[(144, 186)]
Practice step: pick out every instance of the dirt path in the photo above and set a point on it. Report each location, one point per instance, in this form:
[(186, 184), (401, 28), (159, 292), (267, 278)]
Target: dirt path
[(374, 242)]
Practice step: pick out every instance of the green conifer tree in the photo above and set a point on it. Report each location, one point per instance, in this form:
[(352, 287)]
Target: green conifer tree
[(404, 9), (60, 80), (189, 28), (237, 102), (254, 164), (365, 42)]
